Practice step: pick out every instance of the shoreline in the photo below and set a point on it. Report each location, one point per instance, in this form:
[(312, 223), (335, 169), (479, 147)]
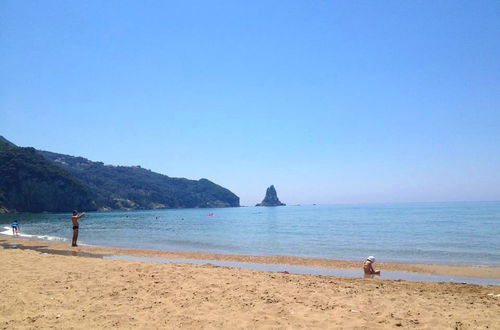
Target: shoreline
[(43, 290), (480, 271)]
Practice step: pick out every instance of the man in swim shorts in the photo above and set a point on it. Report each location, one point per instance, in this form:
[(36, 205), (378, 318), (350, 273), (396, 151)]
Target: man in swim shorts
[(74, 220), (368, 266)]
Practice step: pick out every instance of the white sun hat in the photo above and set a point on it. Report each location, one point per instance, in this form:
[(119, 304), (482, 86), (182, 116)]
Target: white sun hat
[(371, 258)]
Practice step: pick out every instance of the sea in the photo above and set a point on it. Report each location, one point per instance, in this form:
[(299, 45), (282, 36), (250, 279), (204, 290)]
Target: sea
[(464, 233)]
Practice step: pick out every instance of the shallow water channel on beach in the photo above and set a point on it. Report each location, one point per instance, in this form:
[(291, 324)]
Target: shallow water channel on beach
[(287, 269)]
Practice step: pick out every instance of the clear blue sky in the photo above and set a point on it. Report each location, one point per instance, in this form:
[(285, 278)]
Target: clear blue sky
[(330, 101)]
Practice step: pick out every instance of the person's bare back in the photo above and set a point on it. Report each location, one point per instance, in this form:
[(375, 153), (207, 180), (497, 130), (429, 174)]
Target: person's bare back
[(368, 267), (74, 220)]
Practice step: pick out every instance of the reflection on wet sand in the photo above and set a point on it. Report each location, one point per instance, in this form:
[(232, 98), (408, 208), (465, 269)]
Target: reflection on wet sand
[(45, 249)]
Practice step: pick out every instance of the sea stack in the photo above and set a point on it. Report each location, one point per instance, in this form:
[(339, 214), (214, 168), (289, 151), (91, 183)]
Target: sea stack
[(271, 198)]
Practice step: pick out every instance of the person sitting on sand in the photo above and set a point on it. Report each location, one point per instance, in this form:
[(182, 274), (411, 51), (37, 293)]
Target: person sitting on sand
[(74, 220), (15, 228), (368, 266)]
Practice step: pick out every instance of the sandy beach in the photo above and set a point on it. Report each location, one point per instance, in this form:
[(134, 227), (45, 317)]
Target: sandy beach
[(42, 291)]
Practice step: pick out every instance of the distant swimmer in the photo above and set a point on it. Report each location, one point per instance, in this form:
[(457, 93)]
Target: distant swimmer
[(15, 228), (74, 219), (368, 266)]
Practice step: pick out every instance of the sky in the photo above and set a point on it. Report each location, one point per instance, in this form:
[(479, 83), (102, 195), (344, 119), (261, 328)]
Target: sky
[(330, 101)]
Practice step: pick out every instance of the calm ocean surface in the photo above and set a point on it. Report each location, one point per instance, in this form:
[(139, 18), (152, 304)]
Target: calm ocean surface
[(464, 233)]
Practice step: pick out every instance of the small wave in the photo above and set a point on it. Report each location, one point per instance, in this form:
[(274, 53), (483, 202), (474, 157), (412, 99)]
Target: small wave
[(8, 231)]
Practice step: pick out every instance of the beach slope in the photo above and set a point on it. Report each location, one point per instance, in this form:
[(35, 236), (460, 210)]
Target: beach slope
[(44, 291)]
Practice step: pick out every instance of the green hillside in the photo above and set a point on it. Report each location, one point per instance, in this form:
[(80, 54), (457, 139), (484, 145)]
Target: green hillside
[(31, 183), (36, 181), (124, 187)]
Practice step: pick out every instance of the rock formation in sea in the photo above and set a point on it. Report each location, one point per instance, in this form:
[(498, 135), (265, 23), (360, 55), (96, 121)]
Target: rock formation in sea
[(271, 198)]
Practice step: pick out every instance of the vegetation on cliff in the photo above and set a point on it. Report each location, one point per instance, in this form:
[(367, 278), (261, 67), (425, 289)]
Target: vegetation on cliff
[(34, 181), (119, 187), (31, 183)]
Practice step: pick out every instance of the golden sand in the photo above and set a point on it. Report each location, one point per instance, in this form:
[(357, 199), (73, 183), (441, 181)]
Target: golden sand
[(40, 291)]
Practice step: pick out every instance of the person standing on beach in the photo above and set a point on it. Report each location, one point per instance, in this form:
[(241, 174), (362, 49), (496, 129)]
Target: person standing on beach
[(15, 228), (74, 220)]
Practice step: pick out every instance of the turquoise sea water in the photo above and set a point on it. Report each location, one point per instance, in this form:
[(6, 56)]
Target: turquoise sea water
[(463, 233)]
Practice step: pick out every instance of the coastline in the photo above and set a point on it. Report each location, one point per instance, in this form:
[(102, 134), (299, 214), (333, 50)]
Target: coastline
[(481, 271), (44, 290)]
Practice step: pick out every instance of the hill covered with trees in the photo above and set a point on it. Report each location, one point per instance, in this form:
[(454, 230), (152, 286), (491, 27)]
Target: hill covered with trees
[(119, 187), (31, 183), (25, 171)]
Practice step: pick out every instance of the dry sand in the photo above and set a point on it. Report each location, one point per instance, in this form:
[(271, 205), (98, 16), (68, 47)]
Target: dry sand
[(40, 291)]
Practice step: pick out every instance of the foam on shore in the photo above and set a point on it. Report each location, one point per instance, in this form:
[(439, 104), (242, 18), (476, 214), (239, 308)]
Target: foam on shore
[(8, 231)]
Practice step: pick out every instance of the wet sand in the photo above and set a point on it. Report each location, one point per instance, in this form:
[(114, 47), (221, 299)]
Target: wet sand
[(40, 290), (438, 269)]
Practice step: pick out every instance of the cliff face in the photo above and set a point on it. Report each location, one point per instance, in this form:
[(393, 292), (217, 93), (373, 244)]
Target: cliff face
[(271, 198)]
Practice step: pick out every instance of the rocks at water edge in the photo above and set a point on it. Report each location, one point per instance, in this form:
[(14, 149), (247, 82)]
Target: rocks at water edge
[(271, 198)]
